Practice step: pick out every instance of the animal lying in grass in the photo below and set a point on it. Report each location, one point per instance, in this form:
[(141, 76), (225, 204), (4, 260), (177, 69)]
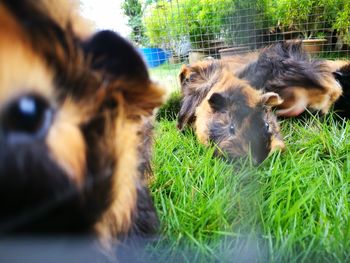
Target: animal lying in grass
[(76, 113), (285, 68), (281, 75), (227, 111), (302, 82)]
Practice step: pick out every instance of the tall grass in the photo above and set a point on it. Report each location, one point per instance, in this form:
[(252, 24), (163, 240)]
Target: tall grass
[(293, 207)]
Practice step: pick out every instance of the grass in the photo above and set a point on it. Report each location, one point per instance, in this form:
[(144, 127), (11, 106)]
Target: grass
[(294, 207), (166, 75)]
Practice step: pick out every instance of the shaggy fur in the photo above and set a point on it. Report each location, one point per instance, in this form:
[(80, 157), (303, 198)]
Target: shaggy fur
[(75, 120), (341, 72), (286, 69), (227, 111)]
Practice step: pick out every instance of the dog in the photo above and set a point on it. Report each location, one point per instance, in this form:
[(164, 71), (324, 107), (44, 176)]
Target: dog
[(76, 126), (286, 69), (228, 112)]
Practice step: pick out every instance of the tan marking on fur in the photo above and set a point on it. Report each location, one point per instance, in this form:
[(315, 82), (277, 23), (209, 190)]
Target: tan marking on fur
[(21, 71), (294, 106), (228, 81), (67, 13), (252, 95), (66, 142), (144, 99), (334, 91), (203, 117), (184, 73), (237, 63), (271, 99), (204, 77), (118, 218), (134, 104), (334, 65), (277, 144), (315, 99)]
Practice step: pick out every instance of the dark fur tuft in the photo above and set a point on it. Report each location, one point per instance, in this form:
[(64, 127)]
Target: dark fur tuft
[(342, 105), (284, 64), (194, 88)]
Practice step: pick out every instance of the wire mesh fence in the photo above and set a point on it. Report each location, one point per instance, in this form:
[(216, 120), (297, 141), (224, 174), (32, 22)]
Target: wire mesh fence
[(185, 31)]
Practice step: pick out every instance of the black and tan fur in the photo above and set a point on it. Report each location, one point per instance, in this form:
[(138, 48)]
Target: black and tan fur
[(285, 68), (341, 72), (227, 111), (78, 162)]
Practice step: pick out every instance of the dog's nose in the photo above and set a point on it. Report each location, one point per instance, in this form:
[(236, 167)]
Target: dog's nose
[(26, 118)]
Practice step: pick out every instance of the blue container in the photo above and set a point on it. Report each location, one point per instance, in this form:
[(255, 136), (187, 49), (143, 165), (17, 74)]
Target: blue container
[(154, 56)]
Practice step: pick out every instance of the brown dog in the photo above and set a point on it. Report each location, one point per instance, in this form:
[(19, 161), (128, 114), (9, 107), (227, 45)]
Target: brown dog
[(75, 122), (227, 111)]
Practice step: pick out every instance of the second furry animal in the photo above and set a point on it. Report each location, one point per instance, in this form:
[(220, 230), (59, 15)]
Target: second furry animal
[(285, 68), (228, 112)]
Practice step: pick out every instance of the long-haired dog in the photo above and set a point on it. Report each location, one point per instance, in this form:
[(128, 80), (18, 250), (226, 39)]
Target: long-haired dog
[(285, 68), (227, 111), (75, 126)]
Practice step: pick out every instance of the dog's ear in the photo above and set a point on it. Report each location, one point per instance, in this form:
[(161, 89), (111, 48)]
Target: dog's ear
[(189, 98), (192, 77), (271, 99), (184, 75), (187, 111), (217, 102), (196, 81), (124, 71), (112, 54)]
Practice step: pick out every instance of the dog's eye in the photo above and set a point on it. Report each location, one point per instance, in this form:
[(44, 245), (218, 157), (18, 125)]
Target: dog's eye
[(190, 78), (232, 129), (29, 114)]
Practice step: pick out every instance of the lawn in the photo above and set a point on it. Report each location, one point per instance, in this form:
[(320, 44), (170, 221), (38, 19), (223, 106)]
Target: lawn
[(166, 75), (294, 207)]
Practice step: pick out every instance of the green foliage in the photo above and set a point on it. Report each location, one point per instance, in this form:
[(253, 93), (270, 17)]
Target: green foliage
[(133, 9), (245, 21), (300, 15), (201, 20), (171, 108), (310, 16), (342, 21), (294, 207)]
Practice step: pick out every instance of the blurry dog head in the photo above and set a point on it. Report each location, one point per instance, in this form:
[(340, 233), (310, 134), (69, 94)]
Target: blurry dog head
[(228, 111), (72, 112)]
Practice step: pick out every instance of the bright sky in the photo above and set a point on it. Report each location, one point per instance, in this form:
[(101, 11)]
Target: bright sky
[(106, 14)]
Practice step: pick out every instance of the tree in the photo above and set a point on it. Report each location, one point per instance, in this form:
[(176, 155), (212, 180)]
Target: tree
[(133, 9)]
